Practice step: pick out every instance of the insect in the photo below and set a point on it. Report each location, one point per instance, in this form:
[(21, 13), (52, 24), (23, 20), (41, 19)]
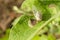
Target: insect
[(37, 15)]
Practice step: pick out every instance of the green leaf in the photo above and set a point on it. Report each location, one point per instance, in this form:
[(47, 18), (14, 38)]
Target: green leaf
[(36, 37), (42, 37), (21, 31), (51, 37), (27, 5)]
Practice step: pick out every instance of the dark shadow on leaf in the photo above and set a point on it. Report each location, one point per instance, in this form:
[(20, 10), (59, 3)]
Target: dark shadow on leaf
[(46, 15)]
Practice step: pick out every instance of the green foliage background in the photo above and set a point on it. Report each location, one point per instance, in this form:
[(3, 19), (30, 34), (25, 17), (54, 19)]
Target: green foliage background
[(50, 17)]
